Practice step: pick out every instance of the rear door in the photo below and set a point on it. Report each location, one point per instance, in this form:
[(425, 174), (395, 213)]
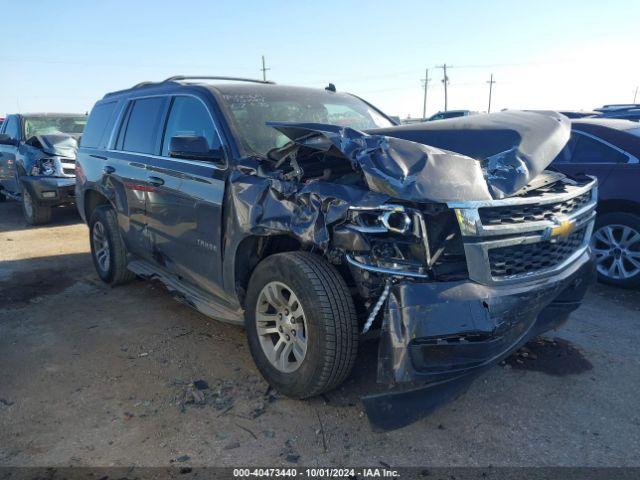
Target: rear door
[(8, 154), (184, 201), (587, 154), (136, 145)]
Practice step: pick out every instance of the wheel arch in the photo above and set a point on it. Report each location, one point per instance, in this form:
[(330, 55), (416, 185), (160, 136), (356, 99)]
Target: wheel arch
[(618, 205), (251, 251), (92, 199)]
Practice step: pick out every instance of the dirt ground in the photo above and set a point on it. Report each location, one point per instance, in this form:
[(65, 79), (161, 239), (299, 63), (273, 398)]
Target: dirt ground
[(92, 375)]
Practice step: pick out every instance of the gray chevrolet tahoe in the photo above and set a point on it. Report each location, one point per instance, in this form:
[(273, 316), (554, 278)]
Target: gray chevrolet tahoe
[(309, 217)]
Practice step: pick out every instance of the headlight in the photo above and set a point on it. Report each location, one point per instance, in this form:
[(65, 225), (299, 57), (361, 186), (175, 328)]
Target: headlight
[(382, 219), (394, 240), (45, 166)]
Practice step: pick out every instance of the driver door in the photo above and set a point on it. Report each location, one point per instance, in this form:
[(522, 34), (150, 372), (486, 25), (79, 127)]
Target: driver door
[(184, 200)]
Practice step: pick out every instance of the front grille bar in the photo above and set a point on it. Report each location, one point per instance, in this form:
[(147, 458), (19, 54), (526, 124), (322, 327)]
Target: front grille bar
[(480, 239)]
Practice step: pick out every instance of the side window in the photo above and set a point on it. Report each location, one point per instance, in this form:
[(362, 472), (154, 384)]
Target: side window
[(143, 125), (13, 128), (589, 150), (189, 116), (566, 153), (96, 129)]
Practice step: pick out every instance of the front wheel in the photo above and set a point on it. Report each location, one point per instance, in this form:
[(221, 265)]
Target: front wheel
[(34, 213), (301, 324), (616, 245)]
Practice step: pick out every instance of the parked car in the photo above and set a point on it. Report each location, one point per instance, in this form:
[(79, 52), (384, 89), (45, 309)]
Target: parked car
[(622, 111), (37, 161), (578, 114), (450, 114), (610, 150), (250, 204)]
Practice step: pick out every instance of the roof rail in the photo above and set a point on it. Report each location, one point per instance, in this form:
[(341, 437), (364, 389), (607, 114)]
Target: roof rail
[(207, 77)]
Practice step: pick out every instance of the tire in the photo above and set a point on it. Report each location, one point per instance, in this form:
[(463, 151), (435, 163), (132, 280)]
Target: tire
[(328, 323), (107, 248), (616, 245), (3, 197), (33, 212)]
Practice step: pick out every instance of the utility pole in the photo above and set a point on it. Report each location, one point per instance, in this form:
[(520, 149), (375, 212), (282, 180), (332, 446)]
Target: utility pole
[(445, 81), (426, 84), (490, 82), (264, 70), (635, 95)]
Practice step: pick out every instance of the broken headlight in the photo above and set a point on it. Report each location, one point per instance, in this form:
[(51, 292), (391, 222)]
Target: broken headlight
[(388, 239), (44, 166), (392, 218)]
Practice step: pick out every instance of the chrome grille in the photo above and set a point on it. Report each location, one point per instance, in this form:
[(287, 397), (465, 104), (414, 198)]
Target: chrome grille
[(520, 238), (532, 213), (532, 257)]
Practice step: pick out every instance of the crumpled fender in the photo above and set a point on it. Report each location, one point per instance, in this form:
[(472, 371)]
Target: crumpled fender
[(268, 206)]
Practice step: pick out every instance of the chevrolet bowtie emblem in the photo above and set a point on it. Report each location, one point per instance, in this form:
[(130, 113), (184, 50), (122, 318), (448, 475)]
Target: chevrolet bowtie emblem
[(564, 229)]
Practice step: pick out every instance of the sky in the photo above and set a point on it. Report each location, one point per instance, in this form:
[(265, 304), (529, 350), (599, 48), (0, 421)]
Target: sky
[(65, 55)]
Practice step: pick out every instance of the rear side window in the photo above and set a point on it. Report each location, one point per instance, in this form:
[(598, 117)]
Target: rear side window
[(589, 150), (96, 129), (141, 134)]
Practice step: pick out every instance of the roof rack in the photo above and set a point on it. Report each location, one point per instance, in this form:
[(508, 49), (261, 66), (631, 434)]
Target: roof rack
[(207, 77), (177, 78)]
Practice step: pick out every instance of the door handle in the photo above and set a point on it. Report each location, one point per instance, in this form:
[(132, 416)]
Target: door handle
[(108, 169), (155, 181)]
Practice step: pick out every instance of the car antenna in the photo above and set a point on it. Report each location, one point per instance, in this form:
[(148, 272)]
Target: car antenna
[(330, 88)]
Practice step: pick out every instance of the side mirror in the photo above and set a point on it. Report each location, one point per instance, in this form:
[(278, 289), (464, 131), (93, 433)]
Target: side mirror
[(193, 147), (6, 139)]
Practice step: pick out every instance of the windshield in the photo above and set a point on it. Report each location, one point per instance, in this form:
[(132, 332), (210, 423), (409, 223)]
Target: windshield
[(48, 125), (251, 110)]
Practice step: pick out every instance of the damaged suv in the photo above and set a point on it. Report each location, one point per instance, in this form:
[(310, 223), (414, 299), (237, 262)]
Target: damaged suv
[(37, 161), (307, 216)]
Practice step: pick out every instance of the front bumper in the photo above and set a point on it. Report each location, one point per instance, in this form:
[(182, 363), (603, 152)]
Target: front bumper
[(446, 333), (50, 190)]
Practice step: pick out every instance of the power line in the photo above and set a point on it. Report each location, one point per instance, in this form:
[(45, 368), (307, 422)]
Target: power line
[(425, 80), (264, 70), (490, 82), (635, 94), (445, 81)]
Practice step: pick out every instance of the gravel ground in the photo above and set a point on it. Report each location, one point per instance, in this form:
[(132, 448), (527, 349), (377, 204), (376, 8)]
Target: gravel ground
[(92, 375)]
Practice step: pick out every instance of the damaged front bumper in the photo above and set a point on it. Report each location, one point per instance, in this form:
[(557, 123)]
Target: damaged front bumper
[(50, 190), (446, 333)]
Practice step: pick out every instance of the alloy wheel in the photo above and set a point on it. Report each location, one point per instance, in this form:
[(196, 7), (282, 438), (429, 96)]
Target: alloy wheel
[(617, 251), (101, 246), (282, 327)]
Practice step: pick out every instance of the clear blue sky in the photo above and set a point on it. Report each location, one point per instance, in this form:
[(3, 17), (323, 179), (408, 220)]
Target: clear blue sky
[(544, 54)]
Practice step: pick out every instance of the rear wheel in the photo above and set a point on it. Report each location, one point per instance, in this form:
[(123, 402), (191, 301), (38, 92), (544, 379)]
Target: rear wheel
[(34, 213), (3, 197), (301, 324), (616, 245), (107, 248)]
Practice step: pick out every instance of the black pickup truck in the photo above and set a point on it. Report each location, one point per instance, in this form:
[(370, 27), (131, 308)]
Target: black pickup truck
[(309, 217), (37, 161)]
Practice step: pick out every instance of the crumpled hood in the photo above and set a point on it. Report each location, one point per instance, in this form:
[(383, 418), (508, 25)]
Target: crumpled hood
[(60, 144), (481, 157)]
